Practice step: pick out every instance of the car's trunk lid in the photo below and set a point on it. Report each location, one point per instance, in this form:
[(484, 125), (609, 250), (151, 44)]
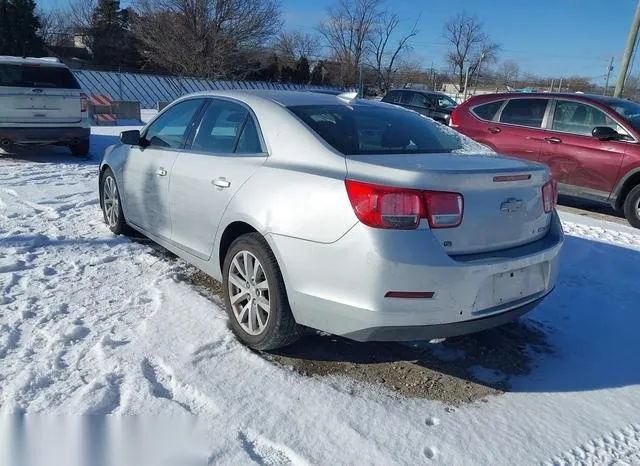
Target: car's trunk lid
[(503, 205)]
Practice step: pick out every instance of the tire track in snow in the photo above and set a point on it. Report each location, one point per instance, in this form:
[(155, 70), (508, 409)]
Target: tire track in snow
[(620, 447)]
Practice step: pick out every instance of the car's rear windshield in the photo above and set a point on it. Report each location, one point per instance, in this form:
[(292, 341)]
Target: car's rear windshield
[(38, 76), (373, 129), (628, 109)]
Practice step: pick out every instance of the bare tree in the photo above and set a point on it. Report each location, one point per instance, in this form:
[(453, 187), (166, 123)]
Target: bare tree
[(470, 46), (508, 72), (297, 44), (56, 27), (346, 30), (387, 53), (213, 38)]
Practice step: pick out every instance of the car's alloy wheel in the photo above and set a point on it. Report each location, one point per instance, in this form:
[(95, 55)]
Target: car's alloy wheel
[(255, 296), (249, 293), (111, 201), (111, 204)]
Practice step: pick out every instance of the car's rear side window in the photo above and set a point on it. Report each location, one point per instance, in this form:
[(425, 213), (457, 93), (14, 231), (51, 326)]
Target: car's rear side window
[(487, 111), (524, 112), (37, 76), (371, 129)]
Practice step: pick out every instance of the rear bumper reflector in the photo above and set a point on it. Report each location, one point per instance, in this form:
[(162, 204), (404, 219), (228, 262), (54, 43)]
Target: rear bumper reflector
[(410, 294), (498, 179)]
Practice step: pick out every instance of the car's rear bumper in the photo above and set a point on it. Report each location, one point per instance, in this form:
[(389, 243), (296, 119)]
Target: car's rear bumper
[(44, 135), (340, 287), (453, 329)]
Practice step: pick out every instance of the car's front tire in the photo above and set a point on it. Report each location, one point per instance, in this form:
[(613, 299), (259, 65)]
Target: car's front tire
[(111, 205), (255, 296), (632, 207)]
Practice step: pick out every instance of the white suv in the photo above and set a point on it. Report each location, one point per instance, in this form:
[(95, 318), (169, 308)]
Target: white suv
[(41, 104)]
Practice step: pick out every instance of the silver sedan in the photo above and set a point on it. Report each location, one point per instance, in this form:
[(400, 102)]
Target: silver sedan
[(352, 217)]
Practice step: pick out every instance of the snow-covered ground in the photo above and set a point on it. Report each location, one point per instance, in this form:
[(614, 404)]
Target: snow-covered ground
[(92, 323)]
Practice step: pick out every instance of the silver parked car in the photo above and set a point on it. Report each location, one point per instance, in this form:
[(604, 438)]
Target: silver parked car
[(357, 218)]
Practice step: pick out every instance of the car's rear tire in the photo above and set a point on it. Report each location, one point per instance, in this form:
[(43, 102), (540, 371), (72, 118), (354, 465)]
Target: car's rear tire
[(255, 296), (111, 205), (81, 149), (632, 207)]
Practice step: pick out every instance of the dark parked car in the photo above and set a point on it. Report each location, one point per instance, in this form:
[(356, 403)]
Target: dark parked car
[(590, 142), (432, 104)]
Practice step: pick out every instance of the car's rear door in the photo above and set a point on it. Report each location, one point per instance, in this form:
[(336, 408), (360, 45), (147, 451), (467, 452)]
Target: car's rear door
[(38, 94), (418, 102), (147, 170), (226, 150), (518, 130), (582, 163)]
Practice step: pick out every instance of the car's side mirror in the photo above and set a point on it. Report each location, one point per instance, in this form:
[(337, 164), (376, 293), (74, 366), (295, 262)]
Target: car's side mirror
[(605, 133), (130, 138)]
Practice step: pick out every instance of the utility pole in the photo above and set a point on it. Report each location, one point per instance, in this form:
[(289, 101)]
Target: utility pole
[(626, 58), (475, 86), (609, 70), (466, 84)]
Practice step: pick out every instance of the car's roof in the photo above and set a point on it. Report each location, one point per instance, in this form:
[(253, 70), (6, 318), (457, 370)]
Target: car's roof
[(47, 61), (550, 95), (287, 98), (421, 91)]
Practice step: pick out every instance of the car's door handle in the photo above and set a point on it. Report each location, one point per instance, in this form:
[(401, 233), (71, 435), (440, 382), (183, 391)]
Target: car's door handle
[(161, 172), (221, 183), (494, 130), (553, 140)]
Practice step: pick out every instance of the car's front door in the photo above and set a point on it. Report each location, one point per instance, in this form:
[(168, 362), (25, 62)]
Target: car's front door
[(518, 131), (226, 150), (147, 169), (575, 157)]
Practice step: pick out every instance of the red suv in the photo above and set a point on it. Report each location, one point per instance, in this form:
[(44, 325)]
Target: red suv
[(590, 142)]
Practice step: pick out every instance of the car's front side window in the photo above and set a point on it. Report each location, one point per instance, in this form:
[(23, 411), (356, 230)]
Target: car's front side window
[(170, 129), (446, 102), (579, 118), (524, 112)]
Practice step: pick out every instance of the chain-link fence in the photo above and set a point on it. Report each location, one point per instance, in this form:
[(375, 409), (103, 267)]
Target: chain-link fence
[(150, 89)]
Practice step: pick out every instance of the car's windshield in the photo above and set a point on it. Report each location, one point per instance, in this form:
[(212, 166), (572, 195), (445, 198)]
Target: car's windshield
[(369, 129), (628, 109)]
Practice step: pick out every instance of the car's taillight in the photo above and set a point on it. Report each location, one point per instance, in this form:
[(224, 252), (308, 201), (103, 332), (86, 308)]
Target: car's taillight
[(454, 121), (385, 207), (549, 196), (400, 208), (444, 210), (84, 102)]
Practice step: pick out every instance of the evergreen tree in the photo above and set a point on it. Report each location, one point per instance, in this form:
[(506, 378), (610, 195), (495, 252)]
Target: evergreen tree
[(19, 27), (111, 41), (287, 74), (301, 72)]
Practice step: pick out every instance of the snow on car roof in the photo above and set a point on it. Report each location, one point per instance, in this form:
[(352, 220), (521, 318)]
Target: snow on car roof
[(48, 61)]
